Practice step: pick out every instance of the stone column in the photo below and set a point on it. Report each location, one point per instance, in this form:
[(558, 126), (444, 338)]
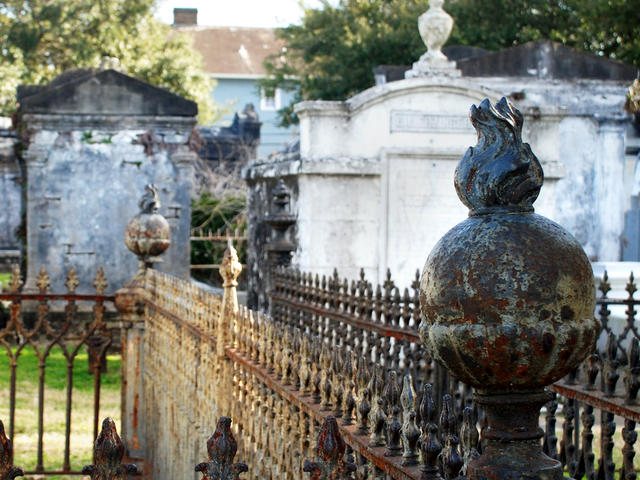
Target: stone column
[(35, 160), (608, 187), (507, 298), (147, 236)]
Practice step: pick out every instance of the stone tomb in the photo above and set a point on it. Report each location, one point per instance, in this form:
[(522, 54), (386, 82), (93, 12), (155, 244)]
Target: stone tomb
[(372, 180), (94, 139)]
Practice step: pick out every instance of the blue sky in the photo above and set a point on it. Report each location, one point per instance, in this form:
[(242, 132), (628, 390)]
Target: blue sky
[(239, 13)]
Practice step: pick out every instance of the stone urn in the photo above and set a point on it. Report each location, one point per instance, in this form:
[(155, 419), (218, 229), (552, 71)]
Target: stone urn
[(507, 296), (148, 233), (435, 27)]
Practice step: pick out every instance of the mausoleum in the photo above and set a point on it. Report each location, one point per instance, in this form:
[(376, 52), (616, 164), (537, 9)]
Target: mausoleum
[(370, 179), (93, 139)]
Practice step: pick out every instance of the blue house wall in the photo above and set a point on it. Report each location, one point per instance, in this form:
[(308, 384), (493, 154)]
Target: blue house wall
[(233, 94)]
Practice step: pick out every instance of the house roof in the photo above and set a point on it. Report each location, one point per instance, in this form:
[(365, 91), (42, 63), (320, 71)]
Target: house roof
[(233, 51)]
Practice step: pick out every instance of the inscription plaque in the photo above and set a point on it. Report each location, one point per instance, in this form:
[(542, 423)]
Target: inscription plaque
[(417, 121)]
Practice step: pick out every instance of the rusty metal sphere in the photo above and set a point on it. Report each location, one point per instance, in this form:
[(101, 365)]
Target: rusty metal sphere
[(148, 235), (508, 302), (507, 296)]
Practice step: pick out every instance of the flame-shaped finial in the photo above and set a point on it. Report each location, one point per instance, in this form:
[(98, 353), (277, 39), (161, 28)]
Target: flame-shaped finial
[(150, 201), (500, 172)]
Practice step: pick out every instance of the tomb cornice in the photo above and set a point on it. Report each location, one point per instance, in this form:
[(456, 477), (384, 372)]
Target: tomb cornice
[(106, 122)]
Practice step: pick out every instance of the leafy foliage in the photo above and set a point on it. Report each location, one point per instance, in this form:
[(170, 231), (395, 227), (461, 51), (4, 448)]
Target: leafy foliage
[(42, 38), (213, 214), (330, 56)]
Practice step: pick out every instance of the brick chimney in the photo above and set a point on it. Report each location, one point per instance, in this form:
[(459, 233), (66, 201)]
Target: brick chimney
[(183, 17)]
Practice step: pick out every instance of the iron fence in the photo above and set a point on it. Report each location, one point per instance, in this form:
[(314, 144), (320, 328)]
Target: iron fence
[(41, 321), (380, 323)]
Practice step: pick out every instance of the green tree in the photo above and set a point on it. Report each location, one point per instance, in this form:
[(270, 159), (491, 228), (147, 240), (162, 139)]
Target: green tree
[(330, 56), (41, 38)]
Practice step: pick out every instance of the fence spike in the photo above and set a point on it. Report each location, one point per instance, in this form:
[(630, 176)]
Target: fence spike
[(7, 470), (100, 283), (604, 286), (632, 376), (430, 446), (222, 448), (330, 463), (630, 287), (108, 452), (469, 437), (378, 420), (610, 368), (72, 281), (16, 280), (43, 281)]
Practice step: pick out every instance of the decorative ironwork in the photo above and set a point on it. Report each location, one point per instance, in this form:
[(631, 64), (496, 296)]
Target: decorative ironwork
[(280, 220), (505, 296), (222, 449), (43, 282), (16, 280), (100, 283), (44, 328), (72, 281), (108, 454), (148, 234), (330, 450)]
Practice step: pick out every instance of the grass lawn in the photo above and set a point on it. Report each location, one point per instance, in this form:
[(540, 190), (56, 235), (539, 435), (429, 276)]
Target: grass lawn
[(26, 429), (5, 278)]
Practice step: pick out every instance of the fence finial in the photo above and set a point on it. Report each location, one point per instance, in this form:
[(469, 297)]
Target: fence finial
[(507, 297), (148, 233), (222, 449), (330, 463), (229, 271), (108, 452), (7, 470)]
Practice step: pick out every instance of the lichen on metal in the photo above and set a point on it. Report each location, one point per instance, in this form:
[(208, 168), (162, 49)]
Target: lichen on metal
[(7, 470), (222, 448), (108, 453), (507, 296)]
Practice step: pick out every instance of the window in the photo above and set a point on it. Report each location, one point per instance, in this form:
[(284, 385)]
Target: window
[(270, 103)]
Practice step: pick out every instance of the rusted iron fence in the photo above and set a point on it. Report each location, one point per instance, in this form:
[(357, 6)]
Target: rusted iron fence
[(279, 382), (381, 321), (220, 236), (331, 348), (41, 321)]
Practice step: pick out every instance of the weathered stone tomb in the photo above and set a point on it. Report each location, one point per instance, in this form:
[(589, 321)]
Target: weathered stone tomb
[(94, 139)]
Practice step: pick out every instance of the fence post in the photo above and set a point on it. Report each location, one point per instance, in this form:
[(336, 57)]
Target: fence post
[(507, 297), (147, 235), (230, 270)]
